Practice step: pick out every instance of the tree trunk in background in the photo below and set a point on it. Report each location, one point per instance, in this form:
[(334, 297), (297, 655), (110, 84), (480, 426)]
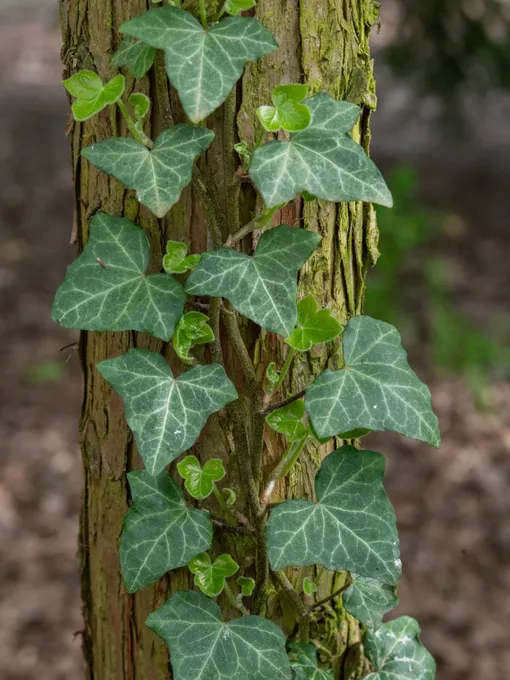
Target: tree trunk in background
[(324, 43)]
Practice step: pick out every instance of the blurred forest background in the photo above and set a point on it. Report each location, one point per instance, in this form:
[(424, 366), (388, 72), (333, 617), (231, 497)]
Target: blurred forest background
[(442, 137)]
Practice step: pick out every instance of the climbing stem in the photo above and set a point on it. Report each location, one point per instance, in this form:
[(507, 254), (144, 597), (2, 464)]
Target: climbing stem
[(301, 609), (203, 13), (285, 370), (238, 604), (221, 12), (282, 469), (258, 222), (142, 138)]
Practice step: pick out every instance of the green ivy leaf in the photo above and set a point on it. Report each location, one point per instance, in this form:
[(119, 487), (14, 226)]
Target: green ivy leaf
[(287, 112), (397, 653), (175, 260), (376, 389), (91, 95), (165, 413), (203, 65), (272, 375), (212, 578), (287, 421), (203, 647), (191, 330), (160, 533), (235, 6), (247, 585), (244, 152), (368, 600), (351, 528), (303, 661), (158, 175), (263, 287), (106, 288), (140, 104), (135, 55), (200, 481), (323, 160), (309, 586), (230, 496), (315, 326)]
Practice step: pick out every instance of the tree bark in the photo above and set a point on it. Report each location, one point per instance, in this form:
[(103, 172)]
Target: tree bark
[(324, 43)]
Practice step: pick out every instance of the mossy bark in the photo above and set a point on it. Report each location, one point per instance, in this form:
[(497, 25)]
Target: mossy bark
[(324, 43)]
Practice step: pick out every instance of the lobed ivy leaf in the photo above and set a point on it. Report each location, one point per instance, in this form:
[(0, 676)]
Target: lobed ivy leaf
[(160, 533), (177, 260), (236, 6), (288, 421), (263, 287), (304, 664), (376, 389), (200, 481), (158, 175), (351, 528), (322, 160), (192, 329), (396, 652), (314, 326), (203, 647), (211, 578), (91, 95), (165, 413), (309, 586), (140, 104), (106, 288), (368, 600), (136, 55), (247, 585), (203, 65), (287, 112)]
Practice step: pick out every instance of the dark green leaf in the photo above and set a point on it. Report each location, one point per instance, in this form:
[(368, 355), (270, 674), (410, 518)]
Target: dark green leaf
[(175, 260), (287, 112), (368, 600), (211, 577), (303, 661), (192, 329), (315, 326), (135, 55), (287, 421), (200, 480), (92, 96)]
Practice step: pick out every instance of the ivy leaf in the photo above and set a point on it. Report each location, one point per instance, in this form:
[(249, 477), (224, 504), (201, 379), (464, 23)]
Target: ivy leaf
[(272, 375), (247, 585), (323, 160), (287, 112), (368, 600), (135, 55), (158, 175), (165, 413), (235, 6), (309, 586), (287, 421), (175, 260), (351, 528), (192, 330), (303, 661), (263, 287), (376, 389), (199, 481), (315, 326), (140, 103), (203, 65), (397, 653), (91, 95), (106, 288), (230, 496), (160, 533), (203, 647), (211, 578)]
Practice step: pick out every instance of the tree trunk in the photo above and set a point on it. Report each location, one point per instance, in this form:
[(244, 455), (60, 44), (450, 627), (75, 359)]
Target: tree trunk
[(324, 43)]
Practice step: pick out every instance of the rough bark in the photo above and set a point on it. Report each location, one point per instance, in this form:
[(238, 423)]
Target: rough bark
[(325, 43)]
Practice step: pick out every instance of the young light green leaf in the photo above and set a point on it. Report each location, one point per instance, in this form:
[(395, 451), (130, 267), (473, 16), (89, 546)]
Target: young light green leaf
[(106, 288), (192, 329), (135, 55), (303, 661), (351, 528), (203, 647), (140, 103), (158, 175), (287, 112), (263, 287), (309, 586), (247, 585), (323, 160), (243, 150), (165, 413), (315, 326), (200, 481), (160, 533), (91, 95), (397, 653), (203, 65), (376, 389), (211, 578), (272, 375), (368, 600), (288, 421), (236, 6), (175, 260)]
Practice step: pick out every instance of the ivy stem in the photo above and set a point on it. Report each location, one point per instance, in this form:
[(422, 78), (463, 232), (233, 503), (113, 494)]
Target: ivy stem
[(258, 222), (230, 512), (132, 127), (238, 604), (260, 137), (285, 402), (332, 596), (221, 12), (282, 469), (285, 370), (298, 604), (203, 13)]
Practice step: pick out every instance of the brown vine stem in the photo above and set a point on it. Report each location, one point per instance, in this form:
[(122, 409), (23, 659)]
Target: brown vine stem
[(285, 402), (301, 609), (258, 222), (325, 600)]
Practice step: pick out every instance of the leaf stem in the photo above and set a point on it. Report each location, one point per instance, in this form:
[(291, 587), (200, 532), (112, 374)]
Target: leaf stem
[(238, 604), (221, 12), (132, 127), (332, 596), (203, 13), (297, 603), (231, 512), (260, 137), (282, 469), (285, 370), (285, 402), (258, 222)]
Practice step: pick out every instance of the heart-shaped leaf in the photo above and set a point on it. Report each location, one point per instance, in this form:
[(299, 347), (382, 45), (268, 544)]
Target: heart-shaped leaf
[(309, 586), (192, 329), (303, 661), (397, 653), (235, 6), (323, 160), (287, 112), (91, 95), (315, 326), (203, 65), (263, 287), (351, 528), (368, 600), (177, 260), (165, 413), (140, 104), (160, 533), (211, 578), (287, 421), (158, 175), (106, 288), (247, 585), (203, 647), (199, 481), (376, 389), (135, 55)]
